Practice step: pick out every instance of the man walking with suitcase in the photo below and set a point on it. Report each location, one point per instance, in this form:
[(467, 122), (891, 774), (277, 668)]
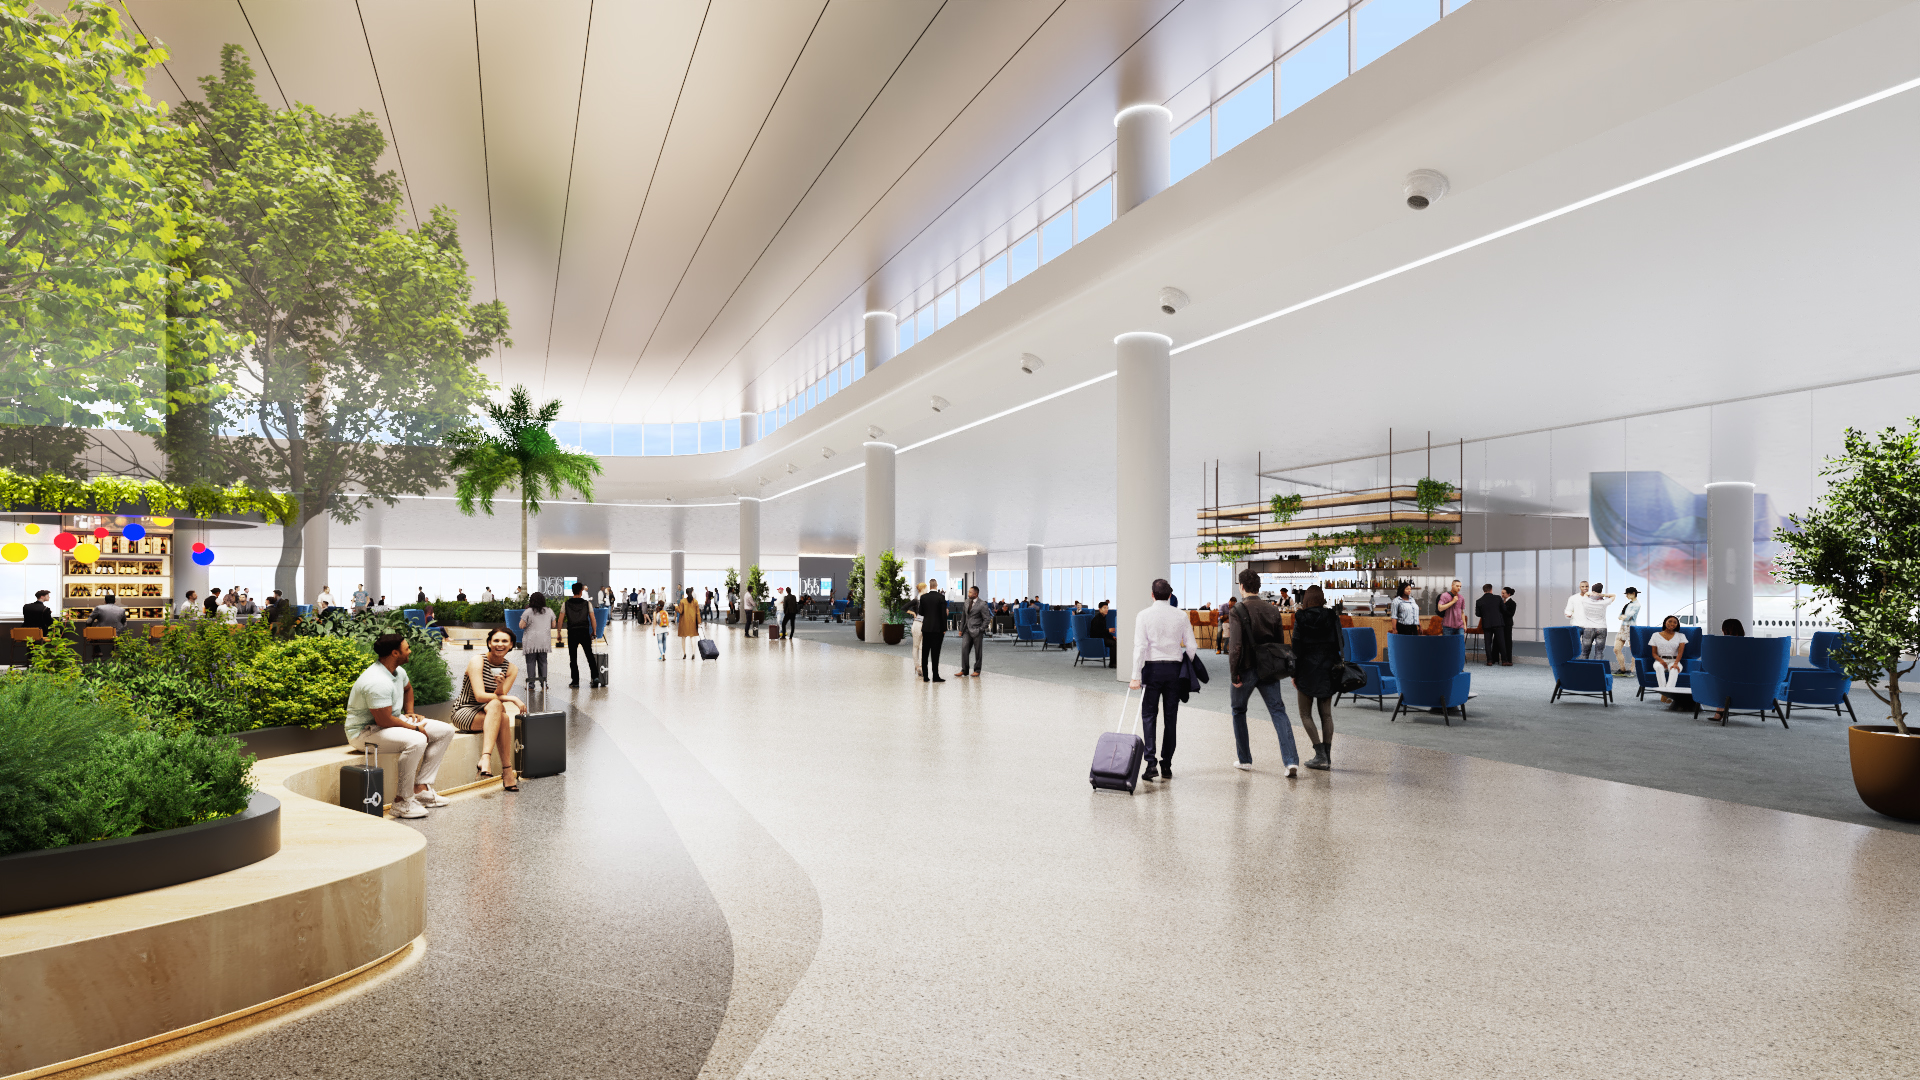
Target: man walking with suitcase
[(932, 607), (974, 615), (1161, 636), (579, 623)]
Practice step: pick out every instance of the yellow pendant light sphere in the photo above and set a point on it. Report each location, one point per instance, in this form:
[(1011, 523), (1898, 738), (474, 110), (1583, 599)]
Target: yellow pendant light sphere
[(33, 530), (86, 553), (161, 522), (13, 552)]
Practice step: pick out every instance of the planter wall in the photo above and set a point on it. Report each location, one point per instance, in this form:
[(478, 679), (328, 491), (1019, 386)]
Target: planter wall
[(1886, 769), (275, 742), (83, 873)]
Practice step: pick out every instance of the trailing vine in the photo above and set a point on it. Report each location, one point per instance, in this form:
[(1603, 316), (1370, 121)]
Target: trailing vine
[(107, 494), (1430, 494), (1229, 548), (1285, 507)]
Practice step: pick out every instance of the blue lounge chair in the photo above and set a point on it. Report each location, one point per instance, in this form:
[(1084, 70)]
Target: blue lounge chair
[(1431, 672), (1056, 624), (1572, 675), (1088, 645), (1820, 650), (1359, 641), (1027, 628), (1643, 672), (1819, 688), (512, 617), (1742, 675)]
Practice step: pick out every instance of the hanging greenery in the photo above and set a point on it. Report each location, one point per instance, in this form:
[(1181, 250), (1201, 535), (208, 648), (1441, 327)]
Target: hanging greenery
[(108, 494), (1228, 548), (1285, 507), (1430, 494)]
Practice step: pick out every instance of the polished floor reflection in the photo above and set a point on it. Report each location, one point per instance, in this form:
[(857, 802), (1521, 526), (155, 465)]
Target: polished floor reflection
[(816, 866)]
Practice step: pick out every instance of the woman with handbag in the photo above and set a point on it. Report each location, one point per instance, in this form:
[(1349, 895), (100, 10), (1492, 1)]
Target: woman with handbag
[(1316, 658)]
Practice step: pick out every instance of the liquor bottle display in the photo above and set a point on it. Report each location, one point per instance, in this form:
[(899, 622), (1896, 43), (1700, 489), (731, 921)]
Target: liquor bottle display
[(136, 570)]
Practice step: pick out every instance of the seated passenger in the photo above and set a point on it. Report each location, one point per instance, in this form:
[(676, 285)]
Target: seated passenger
[(380, 712), (484, 705)]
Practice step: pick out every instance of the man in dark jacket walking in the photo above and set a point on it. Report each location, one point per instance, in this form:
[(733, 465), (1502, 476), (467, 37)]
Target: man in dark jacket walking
[(1493, 623), (579, 623), (932, 607), (974, 615), (789, 612), (1255, 653)]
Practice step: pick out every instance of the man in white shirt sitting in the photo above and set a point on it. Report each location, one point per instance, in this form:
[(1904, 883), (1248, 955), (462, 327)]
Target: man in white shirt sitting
[(1162, 635), (380, 712)]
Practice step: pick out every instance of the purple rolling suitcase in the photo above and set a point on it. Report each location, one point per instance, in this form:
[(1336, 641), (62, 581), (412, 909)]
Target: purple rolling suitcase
[(1116, 757)]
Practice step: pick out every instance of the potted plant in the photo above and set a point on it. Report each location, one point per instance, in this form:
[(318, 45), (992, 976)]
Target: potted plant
[(890, 580), (733, 595), (1859, 551), (857, 596)]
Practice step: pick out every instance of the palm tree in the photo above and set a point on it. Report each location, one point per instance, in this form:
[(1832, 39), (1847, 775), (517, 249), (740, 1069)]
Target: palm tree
[(522, 455)]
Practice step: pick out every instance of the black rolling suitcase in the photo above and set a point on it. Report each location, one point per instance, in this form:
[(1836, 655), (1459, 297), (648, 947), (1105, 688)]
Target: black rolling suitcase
[(543, 744), (708, 650), (1116, 757), (363, 786)]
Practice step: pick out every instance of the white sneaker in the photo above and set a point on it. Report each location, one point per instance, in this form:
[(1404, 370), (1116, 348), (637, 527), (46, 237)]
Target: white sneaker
[(1293, 771), (429, 797), (1247, 765), (408, 808)]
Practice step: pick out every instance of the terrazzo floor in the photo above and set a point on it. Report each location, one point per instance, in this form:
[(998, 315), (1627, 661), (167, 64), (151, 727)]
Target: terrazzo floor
[(799, 861)]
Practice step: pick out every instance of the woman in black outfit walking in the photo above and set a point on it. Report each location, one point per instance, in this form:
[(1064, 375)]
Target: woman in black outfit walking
[(1316, 651)]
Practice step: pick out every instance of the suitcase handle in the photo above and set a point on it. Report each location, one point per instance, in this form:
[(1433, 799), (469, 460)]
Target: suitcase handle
[(1125, 696)]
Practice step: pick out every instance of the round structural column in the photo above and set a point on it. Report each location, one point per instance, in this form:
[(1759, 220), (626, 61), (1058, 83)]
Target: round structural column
[(1729, 554), (677, 572), (1144, 428), (878, 536), (1144, 158), (1036, 568), (882, 337), (919, 572), (749, 540), (370, 570)]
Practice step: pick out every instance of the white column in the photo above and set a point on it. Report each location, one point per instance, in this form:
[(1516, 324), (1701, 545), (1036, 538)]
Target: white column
[(749, 540), (370, 570), (1144, 157), (919, 572), (677, 572), (883, 337), (1143, 488), (878, 536), (188, 574), (314, 554), (749, 417), (1729, 554), (1036, 568)]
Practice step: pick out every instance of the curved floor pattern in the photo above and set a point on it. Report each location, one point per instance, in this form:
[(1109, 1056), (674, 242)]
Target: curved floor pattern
[(569, 934)]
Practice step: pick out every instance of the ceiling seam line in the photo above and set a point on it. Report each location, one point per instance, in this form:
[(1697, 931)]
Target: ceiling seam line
[(717, 210), (831, 158), (970, 188), (486, 170), (392, 134), (647, 196), (566, 202), (285, 101)]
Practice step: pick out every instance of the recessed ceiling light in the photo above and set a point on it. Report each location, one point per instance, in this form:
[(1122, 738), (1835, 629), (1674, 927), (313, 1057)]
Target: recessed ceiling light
[(875, 431), (1030, 363), (939, 403)]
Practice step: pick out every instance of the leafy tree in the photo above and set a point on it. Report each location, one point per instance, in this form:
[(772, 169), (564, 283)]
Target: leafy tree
[(857, 587), (93, 225), (519, 453), (364, 342), (890, 581), (1859, 550)]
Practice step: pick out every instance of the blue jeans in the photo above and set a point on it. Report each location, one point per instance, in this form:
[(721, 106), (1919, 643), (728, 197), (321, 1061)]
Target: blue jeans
[(1454, 630), (1276, 710)]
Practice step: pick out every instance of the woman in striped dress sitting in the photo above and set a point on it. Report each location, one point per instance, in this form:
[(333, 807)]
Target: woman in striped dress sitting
[(484, 705)]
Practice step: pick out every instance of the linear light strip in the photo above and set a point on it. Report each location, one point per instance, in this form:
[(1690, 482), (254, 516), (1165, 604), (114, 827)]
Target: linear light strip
[(1633, 185)]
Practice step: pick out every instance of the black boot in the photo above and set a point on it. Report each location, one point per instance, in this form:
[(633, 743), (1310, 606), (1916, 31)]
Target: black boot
[(1321, 758)]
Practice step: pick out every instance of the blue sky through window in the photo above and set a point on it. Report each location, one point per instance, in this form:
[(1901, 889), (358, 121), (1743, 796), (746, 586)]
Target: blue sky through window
[(1191, 148), (1247, 111), (1379, 25), (1313, 67)]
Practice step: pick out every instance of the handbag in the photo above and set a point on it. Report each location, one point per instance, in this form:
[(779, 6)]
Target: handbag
[(1347, 675)]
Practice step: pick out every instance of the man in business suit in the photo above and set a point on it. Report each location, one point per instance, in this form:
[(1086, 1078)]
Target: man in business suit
[(1512, 608), (109, 614), (932, 607), (37, 615), (1492, 616), (1100, 627), (974, 615)]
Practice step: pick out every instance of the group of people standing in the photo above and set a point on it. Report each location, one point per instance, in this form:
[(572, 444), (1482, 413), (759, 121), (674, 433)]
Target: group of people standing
[(929, 618)]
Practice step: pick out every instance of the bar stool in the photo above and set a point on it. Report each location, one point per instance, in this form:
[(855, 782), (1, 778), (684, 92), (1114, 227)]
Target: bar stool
[(21, 635), (97, 635), (156, 631)]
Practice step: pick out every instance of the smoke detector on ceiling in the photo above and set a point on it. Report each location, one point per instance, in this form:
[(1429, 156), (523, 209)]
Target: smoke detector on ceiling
[(826, 451), (1030, 363), (792, 468), (1424, 187), (939, 403), (875, 431), (1172, 300)]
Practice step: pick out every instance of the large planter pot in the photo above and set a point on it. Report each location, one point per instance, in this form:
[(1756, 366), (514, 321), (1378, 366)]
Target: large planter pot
[(892, 633), (83, 873), (271, 742), (1886, 769), (860, 629)]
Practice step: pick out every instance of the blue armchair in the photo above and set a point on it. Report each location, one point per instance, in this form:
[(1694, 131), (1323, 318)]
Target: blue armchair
[(1431, 672), (1056, 626), (1026, 626), (412, 615), (1818, 688), (1359, 641), (512, 617), (1572, 675), (1090, 645), (1820, 649), (1643, 658), (1742, 674)]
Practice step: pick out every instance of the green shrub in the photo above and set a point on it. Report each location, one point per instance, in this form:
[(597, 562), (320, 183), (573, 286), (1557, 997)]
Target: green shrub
[(75, 767), (169, 699), (427, 671), (450, 611), (487, 611), (303, 682)]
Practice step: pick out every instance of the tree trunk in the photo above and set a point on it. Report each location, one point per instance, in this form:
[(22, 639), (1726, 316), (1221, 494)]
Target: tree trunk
[(1893, 696), (523, 547), (291, 546)]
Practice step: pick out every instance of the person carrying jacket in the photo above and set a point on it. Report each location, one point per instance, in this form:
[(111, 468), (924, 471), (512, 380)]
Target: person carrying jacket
[(578, 616), (1162, 637), (932, 607), (974, 615), (1253, 649)]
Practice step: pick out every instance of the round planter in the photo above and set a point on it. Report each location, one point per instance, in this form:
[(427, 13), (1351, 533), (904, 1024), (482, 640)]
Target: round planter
[(275, 742), (860, 629), (83, 873), (892, 633), (1886, 769)]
